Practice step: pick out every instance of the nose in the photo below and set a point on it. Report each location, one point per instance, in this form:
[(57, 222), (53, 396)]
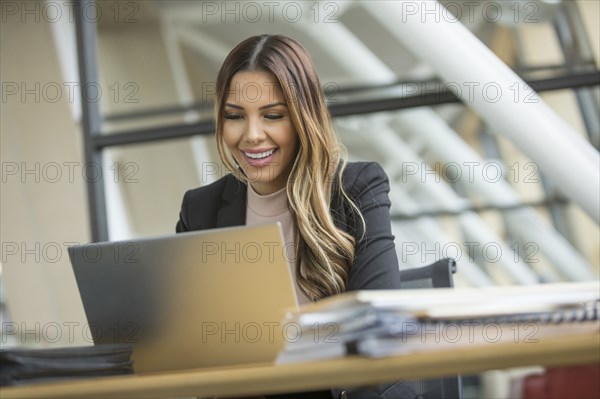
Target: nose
[(254, 133)]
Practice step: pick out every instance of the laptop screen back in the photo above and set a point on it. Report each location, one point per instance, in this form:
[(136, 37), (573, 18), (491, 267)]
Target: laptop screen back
[(197, 299)]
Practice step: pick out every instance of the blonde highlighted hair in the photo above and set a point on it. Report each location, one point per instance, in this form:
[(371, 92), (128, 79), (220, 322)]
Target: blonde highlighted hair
[(324, 252)]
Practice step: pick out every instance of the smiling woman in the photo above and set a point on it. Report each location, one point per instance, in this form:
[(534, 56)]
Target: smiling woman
[(274, 133)]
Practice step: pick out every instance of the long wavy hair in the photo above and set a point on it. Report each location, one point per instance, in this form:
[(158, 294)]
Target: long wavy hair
[(324, 252)]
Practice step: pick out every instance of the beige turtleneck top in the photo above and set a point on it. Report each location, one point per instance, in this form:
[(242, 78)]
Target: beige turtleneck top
[(274, 208)]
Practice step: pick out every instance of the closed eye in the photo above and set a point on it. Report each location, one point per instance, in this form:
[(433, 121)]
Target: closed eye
[(232, 116), (273, 116)]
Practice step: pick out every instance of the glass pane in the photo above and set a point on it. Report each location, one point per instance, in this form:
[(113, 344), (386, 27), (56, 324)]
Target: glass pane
[(158, 60), (145, 183), (460, 189)]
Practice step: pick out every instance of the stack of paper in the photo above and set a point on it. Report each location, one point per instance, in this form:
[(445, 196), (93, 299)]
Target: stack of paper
[(391, 322), (25, 366)]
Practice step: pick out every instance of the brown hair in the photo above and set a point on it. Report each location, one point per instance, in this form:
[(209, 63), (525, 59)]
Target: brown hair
[(324, 252)]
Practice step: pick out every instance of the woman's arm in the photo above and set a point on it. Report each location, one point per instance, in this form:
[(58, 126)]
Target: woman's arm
[(376, 263)]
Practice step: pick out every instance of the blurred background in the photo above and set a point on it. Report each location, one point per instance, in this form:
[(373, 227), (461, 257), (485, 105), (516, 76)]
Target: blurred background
[(484, 115)]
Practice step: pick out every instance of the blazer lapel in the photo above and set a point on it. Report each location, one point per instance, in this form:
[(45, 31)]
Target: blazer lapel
[(233, 204), (232, 210)]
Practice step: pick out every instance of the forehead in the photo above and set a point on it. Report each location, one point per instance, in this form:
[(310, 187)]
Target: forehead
[(254, 87)]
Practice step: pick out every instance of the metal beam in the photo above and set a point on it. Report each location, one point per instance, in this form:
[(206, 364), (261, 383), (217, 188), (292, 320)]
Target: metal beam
[(551, 200), (90, 119), (570, 81), (159, 133)]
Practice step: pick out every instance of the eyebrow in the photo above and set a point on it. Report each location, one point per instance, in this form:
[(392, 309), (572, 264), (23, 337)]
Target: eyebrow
[(261, 108)]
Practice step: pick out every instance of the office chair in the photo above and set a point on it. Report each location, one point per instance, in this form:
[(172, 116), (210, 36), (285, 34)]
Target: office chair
[(436, 275)]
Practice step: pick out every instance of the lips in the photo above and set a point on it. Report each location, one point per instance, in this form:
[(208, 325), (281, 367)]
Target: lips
[(259, 157)]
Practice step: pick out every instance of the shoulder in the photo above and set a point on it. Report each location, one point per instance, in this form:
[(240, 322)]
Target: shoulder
[(211, 196), (202, 206), (360, 176), (367, 187), (212, 192)]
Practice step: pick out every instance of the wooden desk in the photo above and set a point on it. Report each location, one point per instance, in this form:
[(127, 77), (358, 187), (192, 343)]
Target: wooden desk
[(351, 371)]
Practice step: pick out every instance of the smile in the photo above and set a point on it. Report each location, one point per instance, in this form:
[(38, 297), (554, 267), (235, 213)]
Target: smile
[(259, 155)]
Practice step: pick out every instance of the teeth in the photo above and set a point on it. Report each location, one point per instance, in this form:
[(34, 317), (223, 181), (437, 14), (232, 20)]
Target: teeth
[(260, 155)]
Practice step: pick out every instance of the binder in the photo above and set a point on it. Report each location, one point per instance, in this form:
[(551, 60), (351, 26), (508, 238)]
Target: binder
[(26, 366)]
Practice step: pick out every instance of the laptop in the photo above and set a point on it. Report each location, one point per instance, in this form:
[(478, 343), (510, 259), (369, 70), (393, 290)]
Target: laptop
[(197, 299)]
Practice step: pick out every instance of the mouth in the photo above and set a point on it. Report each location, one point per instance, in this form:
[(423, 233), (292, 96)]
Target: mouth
[(259, 155), (259, 158)]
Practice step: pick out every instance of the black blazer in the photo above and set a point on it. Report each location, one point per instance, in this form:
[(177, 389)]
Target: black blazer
[(223, 204)]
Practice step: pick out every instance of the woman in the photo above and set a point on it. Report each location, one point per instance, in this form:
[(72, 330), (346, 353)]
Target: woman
[(275, 134)]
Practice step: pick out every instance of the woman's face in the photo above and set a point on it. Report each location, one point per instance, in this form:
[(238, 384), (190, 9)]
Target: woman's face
[(258, 130)]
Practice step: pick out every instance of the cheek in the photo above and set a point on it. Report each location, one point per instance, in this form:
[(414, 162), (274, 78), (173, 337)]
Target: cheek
[(231, 141), (230, 137)]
